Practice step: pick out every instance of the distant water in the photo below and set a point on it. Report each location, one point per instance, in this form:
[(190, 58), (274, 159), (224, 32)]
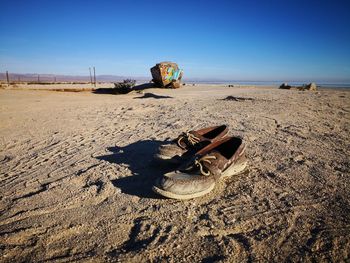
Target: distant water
[(270, 83)]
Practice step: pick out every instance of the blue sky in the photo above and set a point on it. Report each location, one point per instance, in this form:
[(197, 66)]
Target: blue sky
[(227, 40)]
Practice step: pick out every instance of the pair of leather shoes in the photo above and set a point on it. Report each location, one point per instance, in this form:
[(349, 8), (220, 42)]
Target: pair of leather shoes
[(204, 156)]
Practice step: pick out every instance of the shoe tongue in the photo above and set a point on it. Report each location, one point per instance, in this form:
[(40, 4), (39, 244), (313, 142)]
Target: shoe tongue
[(213, 165)]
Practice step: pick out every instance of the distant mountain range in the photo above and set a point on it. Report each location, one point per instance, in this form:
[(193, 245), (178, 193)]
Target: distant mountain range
[(66, 78)]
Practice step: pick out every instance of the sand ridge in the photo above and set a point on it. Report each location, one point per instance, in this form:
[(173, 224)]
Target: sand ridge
[(76, 171)]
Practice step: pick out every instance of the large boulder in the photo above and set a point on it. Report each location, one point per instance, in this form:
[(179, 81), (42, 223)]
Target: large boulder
[(167, 74)]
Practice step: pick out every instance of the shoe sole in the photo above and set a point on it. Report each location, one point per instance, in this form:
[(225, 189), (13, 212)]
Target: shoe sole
[(235, 170), (182, 197)]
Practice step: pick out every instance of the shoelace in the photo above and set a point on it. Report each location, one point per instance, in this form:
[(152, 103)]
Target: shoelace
[(189, 137), (199, 163)]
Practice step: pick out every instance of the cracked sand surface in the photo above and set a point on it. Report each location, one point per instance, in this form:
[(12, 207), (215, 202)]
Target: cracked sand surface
[(76, 172)]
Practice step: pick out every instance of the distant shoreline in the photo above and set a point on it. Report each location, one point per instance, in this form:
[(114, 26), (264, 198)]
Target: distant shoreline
[(267, 83)]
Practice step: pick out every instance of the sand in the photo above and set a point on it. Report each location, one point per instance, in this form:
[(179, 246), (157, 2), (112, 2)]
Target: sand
[(76, 172)]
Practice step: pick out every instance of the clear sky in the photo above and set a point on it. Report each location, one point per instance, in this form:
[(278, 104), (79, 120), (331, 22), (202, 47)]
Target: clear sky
[(227, 40)]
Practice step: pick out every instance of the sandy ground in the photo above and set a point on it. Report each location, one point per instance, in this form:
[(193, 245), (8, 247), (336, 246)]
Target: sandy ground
[(76, 172)]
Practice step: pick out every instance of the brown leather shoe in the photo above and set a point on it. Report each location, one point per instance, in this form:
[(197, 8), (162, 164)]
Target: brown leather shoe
[(198, 176), (188, 143)]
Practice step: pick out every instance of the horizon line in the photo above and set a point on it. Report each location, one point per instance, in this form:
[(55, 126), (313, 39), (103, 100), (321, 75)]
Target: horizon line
[(191, 79)]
